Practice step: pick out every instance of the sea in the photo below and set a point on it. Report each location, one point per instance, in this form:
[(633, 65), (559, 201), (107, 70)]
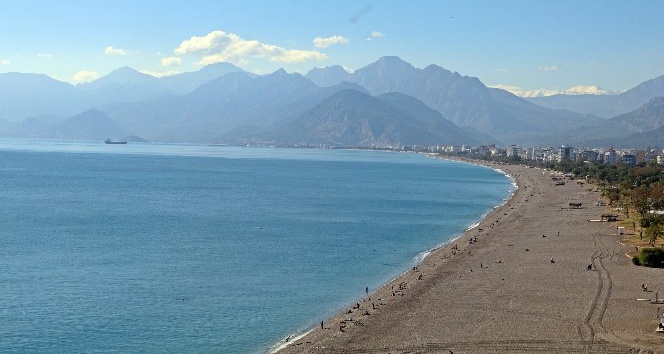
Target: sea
[(181, 248)]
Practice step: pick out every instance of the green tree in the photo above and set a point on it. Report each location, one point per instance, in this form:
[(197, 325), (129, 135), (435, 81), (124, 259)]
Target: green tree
[(640, 197)]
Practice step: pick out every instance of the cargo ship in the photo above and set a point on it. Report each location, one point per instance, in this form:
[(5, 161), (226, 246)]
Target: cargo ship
[(109, 141)]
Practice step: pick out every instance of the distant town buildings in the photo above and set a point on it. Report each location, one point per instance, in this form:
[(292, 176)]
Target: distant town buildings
[(566, 153), (610, 157), (628, 159), (558, 154)]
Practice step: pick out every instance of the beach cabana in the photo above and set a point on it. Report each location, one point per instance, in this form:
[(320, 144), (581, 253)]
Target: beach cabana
[(609, 217)]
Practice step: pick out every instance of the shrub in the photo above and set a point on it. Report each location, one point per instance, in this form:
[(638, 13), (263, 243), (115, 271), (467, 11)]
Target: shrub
[(652, 220), (651, 257), (635, 260)]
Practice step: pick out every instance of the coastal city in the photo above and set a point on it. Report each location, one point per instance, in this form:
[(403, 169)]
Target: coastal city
[(516, 153)]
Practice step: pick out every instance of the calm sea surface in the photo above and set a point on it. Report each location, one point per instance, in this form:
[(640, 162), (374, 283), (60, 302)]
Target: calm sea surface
[(147, 248)]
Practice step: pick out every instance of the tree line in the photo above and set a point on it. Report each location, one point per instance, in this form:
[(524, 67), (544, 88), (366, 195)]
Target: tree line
[(637, 187)]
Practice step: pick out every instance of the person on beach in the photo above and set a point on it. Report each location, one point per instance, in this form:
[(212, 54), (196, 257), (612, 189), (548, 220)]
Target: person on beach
[(321, 324)]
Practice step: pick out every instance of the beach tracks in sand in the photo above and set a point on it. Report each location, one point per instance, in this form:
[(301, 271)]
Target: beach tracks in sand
[(593, 320), (591, 311)]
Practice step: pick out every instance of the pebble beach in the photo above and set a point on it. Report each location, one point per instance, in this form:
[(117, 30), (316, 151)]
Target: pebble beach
[(536, 275)]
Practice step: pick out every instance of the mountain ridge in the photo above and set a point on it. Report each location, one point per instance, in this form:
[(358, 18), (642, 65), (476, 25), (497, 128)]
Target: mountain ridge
[(353, 118), (224, 104)]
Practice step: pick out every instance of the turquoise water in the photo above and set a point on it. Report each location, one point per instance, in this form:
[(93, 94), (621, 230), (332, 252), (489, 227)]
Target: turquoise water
[(146, 248)]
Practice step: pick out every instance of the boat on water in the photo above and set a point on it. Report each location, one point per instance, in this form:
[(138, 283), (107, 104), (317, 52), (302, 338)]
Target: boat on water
[(109, 141)]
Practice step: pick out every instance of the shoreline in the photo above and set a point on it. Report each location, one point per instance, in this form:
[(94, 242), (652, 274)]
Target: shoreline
[(281, 346), (293, 338), (485, 290)]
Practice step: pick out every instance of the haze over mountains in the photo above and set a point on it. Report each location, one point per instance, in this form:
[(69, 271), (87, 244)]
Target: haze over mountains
[(386, 103)]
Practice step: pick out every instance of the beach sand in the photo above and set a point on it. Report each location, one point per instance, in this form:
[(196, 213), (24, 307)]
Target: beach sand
[(523, 286)]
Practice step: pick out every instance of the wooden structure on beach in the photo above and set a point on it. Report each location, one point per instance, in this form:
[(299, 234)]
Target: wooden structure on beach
[(609, 217)]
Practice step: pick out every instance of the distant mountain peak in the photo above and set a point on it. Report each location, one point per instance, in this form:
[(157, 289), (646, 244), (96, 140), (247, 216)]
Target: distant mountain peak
[(124, 69), (572, 91), (329, 75), (91, 124), (353, 118), (278, 72), (434, 67), (123, 75), (332, 68), (392, 62), (126, 72), (391, 59), (91, 112), (224, 65)]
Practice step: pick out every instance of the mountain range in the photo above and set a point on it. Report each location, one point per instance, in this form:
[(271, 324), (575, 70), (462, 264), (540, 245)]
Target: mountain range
[(386, 103), (605, 106), (576, 90)]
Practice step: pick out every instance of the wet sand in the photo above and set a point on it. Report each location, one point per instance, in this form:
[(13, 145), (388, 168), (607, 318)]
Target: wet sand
[(523, 286)]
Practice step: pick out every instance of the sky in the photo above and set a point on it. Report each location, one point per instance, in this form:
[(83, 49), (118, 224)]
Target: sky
[(520, 44)]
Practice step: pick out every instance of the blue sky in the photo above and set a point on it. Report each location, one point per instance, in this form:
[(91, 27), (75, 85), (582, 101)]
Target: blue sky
[(526, 44)]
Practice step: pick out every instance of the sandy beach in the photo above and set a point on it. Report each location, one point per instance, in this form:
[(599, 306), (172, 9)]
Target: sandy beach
[(518, 282)]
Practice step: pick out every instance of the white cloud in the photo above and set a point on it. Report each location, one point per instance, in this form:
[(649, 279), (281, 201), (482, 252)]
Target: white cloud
[(326, 42), (501, 70), (84, 76), (114, 51), (374, 35), (219, 46), (5, 62), (160, 73), (44, 55), (547, 68), (171, 61)]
